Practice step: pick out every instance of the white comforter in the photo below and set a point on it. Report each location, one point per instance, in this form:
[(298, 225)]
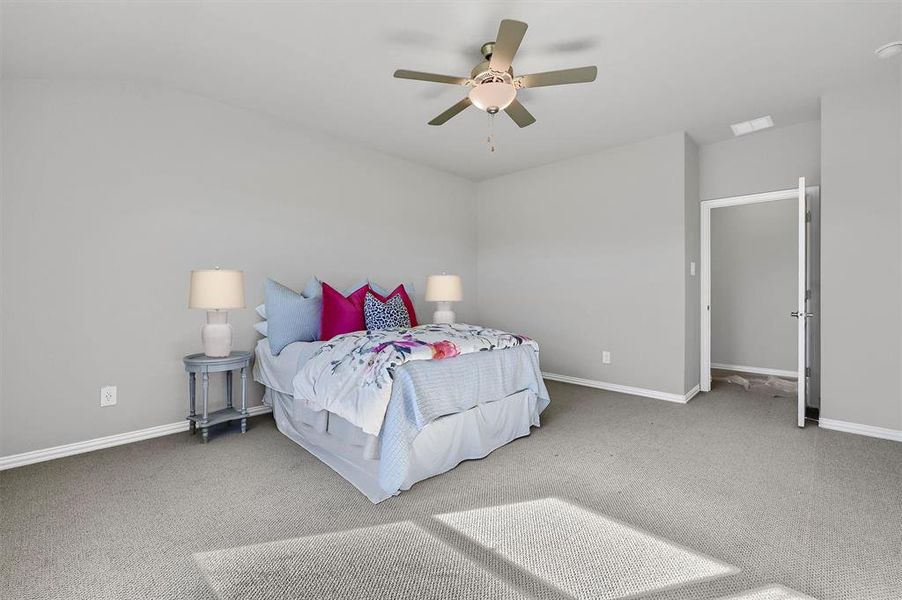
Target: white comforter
[(351, 375)]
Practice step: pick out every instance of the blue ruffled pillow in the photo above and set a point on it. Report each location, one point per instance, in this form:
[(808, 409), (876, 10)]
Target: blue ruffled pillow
[(408, 287), (291, 317)]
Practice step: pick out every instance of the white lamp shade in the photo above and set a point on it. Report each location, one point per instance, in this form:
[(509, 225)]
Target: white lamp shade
[(443, 288), (216, 289)]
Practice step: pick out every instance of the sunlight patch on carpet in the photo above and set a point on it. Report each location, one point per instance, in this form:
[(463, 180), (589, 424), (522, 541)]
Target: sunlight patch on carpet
[(398, 560), (772, 592), (582, 553)]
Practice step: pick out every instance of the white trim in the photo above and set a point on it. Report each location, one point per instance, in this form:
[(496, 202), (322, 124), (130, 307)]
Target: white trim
[(788, 194), (802, 320), (623, 389), (705, 300), (692, 393), (755, 370), (26, 458), (868, 430)]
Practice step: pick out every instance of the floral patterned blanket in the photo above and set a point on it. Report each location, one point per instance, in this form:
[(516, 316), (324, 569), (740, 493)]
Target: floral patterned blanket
[(351, 375)]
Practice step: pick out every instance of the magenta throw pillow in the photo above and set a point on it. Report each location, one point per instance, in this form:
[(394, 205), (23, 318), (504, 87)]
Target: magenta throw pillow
[(342, 314)]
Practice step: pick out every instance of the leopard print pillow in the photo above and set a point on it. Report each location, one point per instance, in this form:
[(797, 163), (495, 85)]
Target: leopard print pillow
[(385, 315)]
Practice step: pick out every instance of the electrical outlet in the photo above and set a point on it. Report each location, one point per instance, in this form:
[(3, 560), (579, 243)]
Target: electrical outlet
[(108, 395), (606, 357), (692, 268)]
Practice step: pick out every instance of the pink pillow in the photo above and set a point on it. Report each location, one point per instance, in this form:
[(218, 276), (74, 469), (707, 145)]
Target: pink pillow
[(408, 303), (340, 314)]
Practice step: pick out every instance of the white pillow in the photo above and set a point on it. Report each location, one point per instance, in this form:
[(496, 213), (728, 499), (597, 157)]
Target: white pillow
[(262, 328)]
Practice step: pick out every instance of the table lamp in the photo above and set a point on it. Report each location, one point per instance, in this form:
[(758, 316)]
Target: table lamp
[(216, 291), (443, 290)]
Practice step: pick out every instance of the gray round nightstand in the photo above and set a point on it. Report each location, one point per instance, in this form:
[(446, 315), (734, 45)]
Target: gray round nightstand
[(203, 364)]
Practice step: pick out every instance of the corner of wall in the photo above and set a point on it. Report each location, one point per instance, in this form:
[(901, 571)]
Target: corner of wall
[(473, 210), (692, 240)]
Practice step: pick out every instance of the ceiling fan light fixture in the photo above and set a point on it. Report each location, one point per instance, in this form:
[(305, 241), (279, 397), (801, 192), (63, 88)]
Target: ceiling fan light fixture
[(493, 96)]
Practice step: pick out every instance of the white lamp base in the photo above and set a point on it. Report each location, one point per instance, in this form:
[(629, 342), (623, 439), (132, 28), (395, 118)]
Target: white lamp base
[(217, 334), (443, 313)]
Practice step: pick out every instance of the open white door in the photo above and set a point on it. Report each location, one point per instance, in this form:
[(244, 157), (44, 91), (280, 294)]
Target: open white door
[(804, 285), (802, 314)]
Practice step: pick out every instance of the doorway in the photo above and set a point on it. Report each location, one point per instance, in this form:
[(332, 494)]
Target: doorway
[(803, 302)]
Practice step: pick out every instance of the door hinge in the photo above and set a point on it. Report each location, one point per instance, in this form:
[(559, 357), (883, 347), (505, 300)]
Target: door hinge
[(808, 216), (807, 371), (807, 294)]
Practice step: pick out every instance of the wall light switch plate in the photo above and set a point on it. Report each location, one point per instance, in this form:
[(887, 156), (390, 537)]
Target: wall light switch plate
[(606, 357), (108, 395), (692, 268)]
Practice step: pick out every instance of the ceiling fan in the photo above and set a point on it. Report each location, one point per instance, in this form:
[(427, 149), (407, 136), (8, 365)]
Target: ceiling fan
[(493, 84)]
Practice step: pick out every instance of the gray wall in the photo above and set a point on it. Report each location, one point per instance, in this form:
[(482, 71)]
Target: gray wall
[(769, 160), (754, 278), (587, 255), (861, 259), (754, 248), (692, 208), (111, 194)]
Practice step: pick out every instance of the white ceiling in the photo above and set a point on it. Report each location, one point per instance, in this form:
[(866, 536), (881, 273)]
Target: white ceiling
[(662, 67)]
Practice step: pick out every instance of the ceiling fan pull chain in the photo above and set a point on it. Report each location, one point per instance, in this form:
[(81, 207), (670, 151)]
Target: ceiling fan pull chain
[(491, 138)]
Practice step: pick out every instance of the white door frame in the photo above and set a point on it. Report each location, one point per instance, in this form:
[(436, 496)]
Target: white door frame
[(705, 266)]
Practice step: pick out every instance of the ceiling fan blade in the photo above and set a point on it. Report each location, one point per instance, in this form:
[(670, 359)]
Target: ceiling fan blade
[(442, 118), (519, 114), (562, 77), (510, 34), (420, 76)]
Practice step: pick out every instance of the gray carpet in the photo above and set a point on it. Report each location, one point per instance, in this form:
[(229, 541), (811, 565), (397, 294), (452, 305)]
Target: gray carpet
[(727, 477)]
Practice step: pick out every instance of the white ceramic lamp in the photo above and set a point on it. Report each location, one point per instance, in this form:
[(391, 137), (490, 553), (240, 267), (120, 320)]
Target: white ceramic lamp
[(443, 290), (216, 291)]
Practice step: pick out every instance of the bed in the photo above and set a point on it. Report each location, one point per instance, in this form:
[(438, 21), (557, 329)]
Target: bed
[(386, 409)]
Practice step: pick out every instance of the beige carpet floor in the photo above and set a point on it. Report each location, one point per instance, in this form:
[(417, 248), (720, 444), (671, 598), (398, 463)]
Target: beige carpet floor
[(613, 496)]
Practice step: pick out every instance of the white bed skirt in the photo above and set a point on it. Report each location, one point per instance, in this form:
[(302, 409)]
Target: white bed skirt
[(439, 447)]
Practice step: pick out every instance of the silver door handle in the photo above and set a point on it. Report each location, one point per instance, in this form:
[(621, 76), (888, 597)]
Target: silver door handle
[(796, 314)]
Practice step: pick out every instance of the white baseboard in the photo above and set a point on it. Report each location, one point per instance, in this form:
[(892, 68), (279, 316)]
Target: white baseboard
[(623, 389), (756, 370), (692, 393), (27, 458), (868, 430)]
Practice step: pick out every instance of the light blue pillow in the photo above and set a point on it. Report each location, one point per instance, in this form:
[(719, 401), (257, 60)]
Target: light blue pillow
[(408, 287), (314, 288), (353, 288), (290, 316)]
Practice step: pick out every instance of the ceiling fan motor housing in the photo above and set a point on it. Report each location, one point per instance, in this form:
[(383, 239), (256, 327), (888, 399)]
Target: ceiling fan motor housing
[(484, 69)]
